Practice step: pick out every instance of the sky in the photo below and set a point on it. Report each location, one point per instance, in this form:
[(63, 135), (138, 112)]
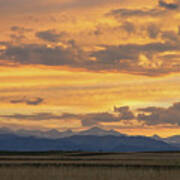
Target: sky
[(77, 64)]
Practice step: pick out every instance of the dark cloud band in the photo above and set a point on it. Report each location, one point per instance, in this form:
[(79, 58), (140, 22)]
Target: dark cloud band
[(149, 116)]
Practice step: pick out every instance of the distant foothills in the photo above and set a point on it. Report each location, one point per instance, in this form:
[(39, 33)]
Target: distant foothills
[(91, 140)]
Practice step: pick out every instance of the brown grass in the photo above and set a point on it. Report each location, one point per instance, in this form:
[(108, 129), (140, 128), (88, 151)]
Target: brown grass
[(82, 173), (68, 166)]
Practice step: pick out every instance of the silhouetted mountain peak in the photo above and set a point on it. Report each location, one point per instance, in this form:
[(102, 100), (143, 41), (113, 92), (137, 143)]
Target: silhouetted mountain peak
[(155, 136), (68, 131), (53, 131), (87, 143), (96, 131), (4, 130)]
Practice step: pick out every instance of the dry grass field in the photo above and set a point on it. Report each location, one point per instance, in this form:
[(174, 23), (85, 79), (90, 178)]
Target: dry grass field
[(90, 166)]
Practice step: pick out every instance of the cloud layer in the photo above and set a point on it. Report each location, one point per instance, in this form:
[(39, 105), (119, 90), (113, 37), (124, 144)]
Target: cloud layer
[(69, 47), (149, 116), (83, 57)]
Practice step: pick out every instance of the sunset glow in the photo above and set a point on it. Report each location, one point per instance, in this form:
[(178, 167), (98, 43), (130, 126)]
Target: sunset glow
[(77, 64)]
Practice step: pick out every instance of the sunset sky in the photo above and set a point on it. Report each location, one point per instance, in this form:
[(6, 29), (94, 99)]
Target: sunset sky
[(77, 64)]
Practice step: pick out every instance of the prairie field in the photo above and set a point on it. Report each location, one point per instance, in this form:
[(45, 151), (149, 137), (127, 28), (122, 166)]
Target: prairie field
[(89, 166)]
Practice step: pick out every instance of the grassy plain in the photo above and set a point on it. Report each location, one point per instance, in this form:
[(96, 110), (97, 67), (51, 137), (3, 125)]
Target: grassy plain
[(89, 166)]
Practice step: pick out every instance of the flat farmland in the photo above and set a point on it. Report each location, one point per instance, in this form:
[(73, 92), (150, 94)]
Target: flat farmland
[(89, 166)]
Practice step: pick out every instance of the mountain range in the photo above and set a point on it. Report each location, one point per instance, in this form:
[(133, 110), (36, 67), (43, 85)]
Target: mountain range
[(55, 134), (94, 139)]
